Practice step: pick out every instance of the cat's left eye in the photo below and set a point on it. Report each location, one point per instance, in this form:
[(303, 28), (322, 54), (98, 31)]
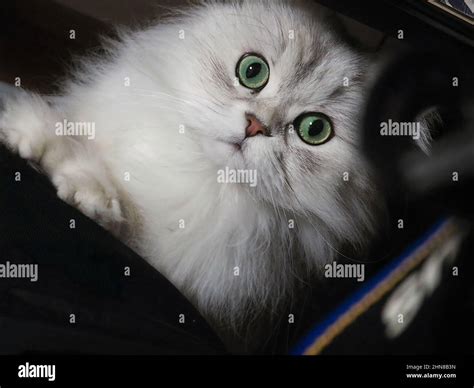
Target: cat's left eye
[(253, 71), (314, 128)]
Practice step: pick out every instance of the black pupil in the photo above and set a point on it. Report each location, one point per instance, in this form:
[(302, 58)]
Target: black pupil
[(253, 70), (316, 127)]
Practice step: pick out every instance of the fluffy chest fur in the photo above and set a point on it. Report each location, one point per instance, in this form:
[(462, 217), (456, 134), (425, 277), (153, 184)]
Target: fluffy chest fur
[(226, 249)]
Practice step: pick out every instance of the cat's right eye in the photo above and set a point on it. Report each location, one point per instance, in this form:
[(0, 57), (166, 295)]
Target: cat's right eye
[(253, 71)]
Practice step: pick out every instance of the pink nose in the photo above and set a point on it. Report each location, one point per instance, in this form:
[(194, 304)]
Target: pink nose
[(254, 127)]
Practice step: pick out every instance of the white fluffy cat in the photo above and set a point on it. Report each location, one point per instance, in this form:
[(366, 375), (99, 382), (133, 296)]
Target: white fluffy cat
[(268, 87)]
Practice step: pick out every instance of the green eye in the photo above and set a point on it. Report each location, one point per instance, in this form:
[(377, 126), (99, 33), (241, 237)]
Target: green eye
[(313, 128), (253, 71)]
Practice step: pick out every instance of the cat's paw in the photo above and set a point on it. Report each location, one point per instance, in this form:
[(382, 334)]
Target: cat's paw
[(24, 143), (23, 125), (94, 196)]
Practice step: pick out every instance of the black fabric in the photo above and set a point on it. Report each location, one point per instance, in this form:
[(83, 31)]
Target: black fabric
[(82, 272)]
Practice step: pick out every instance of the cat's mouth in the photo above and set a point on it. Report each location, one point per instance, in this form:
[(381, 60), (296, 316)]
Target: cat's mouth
[(237, 146), (235, 152)]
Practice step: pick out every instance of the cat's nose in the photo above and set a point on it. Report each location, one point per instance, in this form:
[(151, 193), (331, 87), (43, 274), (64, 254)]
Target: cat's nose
[(255, 126)]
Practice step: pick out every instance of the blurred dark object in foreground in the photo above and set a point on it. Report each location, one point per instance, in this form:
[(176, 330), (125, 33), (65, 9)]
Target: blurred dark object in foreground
[(410, 86)]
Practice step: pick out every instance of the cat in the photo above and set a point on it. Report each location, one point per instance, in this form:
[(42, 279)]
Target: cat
[(225, 150)]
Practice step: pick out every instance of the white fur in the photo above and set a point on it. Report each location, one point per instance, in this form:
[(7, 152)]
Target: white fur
[(173, 176)]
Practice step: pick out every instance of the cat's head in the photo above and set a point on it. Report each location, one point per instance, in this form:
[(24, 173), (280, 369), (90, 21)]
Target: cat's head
[(272, 87)]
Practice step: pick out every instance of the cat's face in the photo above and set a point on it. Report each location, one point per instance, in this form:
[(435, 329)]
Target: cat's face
[(275, 90)]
